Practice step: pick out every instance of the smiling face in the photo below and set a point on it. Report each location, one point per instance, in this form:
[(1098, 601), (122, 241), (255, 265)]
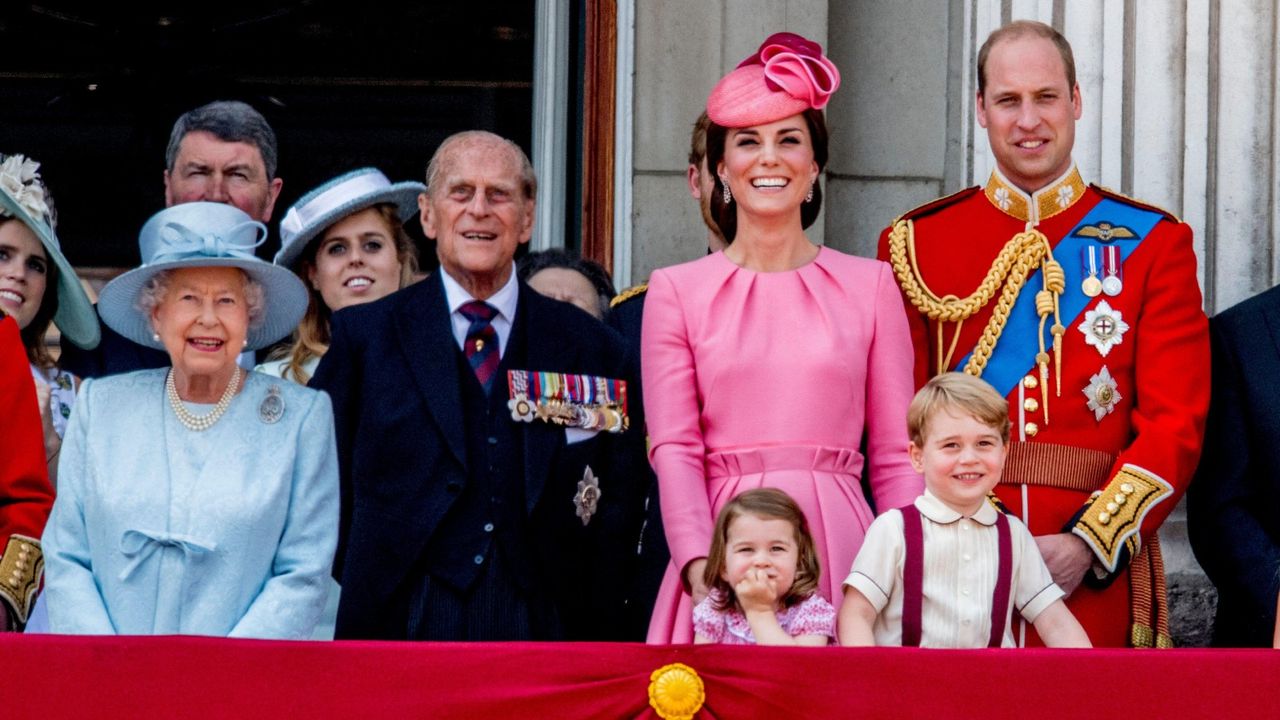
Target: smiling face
[(208, 168), (477, 212), (24, 271), (203, 320), (767, 544), (962, 459), (355, 261), (769, 168), (1029, 111)]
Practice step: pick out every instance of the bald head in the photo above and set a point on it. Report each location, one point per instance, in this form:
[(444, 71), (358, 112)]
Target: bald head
[(474, 143)]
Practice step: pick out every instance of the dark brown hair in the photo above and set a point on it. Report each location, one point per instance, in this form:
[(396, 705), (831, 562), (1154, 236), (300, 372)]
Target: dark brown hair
[(769, 504), (33, 334), (698, 140), (726, 215), (1022, 28)]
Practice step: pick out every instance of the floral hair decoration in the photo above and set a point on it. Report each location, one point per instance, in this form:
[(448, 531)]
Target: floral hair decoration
[(24, 198), (20, 180)]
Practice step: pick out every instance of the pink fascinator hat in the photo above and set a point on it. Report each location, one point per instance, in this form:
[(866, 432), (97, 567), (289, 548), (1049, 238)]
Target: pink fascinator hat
[(786, 76)]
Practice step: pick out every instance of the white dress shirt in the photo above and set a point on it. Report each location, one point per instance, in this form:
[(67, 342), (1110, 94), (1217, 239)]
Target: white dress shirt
[(504, 301), (961, 562)]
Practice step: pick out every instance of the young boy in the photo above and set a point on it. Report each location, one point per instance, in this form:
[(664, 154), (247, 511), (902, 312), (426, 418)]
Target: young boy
[(947, 570)]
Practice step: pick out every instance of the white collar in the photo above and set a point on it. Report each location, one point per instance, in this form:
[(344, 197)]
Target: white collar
[(504, 301), (931, 507)]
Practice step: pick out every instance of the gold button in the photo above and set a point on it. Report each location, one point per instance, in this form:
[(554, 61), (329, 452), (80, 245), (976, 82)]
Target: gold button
[(13, 582), (1030, 405), (1120, 499), (1126, 488), (21, 565), (1031, 429), (1095, 494), (1030, 382), (1113, 508), (1104, 518)]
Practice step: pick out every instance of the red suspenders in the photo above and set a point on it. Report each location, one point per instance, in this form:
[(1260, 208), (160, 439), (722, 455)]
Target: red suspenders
[(913, 578)]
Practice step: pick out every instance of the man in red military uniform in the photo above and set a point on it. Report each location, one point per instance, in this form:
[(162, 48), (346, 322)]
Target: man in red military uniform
[(1082, 307), (25, 494)]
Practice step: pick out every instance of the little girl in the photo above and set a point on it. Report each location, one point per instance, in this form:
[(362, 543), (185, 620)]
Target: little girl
[(762, 572)]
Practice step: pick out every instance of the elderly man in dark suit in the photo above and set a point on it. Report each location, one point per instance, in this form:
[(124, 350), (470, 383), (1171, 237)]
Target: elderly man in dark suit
[(1233, 505), (468, 512)]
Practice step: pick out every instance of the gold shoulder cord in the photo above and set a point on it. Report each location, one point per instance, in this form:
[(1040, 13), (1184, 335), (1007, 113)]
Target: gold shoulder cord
[(1016, 260)]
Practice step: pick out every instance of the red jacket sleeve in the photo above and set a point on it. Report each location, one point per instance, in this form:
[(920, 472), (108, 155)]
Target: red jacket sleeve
[(25, 493)]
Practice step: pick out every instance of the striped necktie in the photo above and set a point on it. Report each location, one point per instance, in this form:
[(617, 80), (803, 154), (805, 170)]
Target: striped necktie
[(481, 345)]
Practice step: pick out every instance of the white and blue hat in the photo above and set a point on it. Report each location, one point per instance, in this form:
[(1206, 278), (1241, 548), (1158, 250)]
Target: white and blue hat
[(204, 234), (336, 199), (22, 197)]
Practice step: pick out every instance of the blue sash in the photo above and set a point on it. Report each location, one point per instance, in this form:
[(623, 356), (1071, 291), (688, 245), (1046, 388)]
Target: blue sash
[(1016, 351)]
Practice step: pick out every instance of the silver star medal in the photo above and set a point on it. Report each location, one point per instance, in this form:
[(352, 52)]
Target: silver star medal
[(272, 407), (1103, 327), (588, 496), (1102, 394)]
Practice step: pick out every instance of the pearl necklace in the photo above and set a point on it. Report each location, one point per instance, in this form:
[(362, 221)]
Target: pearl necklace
[(200, 422)]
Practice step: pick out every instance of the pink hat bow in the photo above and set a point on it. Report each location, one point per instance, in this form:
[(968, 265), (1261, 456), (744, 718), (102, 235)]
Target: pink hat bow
[(786, 76), (797, 67)]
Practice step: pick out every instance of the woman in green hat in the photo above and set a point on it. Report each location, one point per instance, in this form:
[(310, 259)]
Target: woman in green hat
[(38, 287)]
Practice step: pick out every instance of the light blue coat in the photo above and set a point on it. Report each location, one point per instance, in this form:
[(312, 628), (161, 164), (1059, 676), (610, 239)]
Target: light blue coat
[(161, 530)]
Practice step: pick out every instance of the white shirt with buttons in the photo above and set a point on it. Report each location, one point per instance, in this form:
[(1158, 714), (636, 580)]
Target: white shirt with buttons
[(961, 562)]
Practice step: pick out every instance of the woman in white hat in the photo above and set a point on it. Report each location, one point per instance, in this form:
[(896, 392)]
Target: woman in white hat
[(346, 240), (197, 499), (38, 287)]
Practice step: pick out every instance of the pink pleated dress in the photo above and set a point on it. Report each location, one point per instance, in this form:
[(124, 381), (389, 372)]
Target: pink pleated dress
[(769, 380)]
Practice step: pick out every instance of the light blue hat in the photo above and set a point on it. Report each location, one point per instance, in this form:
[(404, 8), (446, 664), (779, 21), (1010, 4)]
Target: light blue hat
[(204, 234), (22, 197), (336, 199)]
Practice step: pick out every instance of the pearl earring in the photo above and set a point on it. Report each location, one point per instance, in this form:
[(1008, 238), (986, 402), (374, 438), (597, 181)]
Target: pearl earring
[(155, 336)]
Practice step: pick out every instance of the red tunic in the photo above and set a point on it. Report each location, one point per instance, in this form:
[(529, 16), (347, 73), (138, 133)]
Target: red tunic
[(25, 494), (1160, 368)]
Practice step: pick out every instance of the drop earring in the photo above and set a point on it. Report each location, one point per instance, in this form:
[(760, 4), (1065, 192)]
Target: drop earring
[(728, 196), (809, 195)]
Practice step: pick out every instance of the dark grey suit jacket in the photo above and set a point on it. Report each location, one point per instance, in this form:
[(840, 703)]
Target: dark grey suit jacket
[(1233, 504)]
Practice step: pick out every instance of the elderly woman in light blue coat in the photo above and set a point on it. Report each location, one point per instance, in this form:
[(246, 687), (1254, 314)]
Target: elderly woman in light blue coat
[(199, 499)]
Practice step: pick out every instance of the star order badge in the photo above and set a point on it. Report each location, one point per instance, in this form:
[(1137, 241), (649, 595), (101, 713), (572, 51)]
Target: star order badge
[(1102, 394), (588, 496), (1103, 327)]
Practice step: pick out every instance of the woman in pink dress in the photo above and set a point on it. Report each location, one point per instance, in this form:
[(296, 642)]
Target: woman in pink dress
[(766, 363)]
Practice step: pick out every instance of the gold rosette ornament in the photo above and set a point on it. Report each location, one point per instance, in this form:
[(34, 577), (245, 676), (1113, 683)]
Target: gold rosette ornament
[(676, 692)]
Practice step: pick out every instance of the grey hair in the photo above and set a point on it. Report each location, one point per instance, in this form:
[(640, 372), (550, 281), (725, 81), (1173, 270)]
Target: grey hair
[(229, 121), (153, 292), (528, 180)]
